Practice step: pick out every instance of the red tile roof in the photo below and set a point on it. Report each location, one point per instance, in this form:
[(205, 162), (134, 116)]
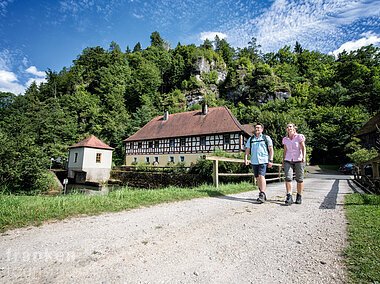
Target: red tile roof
[(249, 128), (92, 142), (217, 120)]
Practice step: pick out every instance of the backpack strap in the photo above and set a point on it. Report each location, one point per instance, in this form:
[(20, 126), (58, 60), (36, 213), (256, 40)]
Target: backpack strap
[(265, 137), (266, 142)]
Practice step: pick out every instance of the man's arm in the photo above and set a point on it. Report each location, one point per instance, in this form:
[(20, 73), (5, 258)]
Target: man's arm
[(271, 153), (247, 153)]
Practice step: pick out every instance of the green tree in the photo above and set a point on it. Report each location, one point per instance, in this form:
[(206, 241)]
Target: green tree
[(224, 49), (207, 44), (156, 40), (327, 122), (137, 47)]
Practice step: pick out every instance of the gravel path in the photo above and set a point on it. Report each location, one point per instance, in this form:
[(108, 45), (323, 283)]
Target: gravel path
[(229, 239)]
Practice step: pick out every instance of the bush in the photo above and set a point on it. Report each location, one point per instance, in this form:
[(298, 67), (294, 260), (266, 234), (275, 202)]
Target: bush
[(47, 182), (203, 168), (362, 155), (23, 164)]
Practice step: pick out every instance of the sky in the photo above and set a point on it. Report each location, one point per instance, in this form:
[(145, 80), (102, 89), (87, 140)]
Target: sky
[(41, 35)]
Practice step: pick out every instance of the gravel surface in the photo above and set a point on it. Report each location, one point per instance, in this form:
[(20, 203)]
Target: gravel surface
[(228, 239)]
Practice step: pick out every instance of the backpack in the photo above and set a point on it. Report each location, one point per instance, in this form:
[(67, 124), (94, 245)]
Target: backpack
[(265, 139)]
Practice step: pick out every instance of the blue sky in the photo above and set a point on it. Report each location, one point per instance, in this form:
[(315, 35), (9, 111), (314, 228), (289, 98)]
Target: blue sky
[(37, 35)]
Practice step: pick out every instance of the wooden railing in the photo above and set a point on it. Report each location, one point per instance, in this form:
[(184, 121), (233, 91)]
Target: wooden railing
[(367, 175), (279, 175)]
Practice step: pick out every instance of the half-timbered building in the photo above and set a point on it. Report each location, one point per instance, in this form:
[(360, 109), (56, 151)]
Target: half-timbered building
[(185, 137)]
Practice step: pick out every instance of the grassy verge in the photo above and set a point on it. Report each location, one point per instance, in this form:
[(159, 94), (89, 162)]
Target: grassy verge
[(20, 211), (363, 251)]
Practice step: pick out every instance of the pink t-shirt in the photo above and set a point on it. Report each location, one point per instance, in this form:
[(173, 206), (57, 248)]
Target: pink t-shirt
[(293, 147)]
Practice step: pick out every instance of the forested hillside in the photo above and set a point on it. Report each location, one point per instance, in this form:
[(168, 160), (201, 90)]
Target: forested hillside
[(111, 93)]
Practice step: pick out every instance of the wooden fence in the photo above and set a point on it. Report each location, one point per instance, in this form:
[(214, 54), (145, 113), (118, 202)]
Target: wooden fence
[(279, 175), (367, 175)]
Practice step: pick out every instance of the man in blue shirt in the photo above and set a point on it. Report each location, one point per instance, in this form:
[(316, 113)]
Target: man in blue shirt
[(260, 147)]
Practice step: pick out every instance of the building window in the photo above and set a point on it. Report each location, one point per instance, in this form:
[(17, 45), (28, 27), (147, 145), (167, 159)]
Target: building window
[(155, 161), (135, 159), (203, 141), (76, 157), (182, 158), (98, 157), (171, 159), (132, 145), (147, 160), (227, 139), (171, 143), (139, 145), (156, 144), (150, 144), (182, 141)]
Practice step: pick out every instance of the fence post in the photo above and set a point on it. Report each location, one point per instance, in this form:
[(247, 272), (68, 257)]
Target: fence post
[(215, 173)]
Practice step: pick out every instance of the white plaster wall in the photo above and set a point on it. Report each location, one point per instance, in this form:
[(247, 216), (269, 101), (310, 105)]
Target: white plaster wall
[(86, 161), (97, 175), (78, 165), (89, 158), (97, 172)]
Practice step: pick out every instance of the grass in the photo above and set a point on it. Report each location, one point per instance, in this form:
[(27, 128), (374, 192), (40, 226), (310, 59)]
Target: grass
[(20, 211), (363, 251)]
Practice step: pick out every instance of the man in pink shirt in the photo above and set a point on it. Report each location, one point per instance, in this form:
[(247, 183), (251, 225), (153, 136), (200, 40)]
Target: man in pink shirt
[(294, 161)]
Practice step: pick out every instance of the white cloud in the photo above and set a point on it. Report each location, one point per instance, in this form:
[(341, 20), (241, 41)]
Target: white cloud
[(211, 35), (37, 80), (367, 39), (5, 59), (138, 16), (33, 70), (80, 10), (9, 83), (316, 24), (3, 6), (40, 76)]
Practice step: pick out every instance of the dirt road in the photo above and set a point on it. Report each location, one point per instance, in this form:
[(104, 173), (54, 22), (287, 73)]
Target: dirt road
[(229, 239)]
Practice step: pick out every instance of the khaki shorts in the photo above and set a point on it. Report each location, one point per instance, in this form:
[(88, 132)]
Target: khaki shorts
[(297, 167)]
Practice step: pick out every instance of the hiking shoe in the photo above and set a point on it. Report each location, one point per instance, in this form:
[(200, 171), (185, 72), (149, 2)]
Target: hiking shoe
[(289, 199), (262, 197), (299, 198)]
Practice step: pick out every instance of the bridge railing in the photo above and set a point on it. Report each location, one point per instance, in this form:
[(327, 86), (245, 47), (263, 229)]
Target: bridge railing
[(367, 175), (276, 176)]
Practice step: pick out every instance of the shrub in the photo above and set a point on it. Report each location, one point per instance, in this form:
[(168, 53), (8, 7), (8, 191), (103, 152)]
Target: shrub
[(362, 155), (46, 182)]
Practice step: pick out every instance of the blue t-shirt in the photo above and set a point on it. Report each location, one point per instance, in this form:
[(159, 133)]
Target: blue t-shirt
[(259, 151)]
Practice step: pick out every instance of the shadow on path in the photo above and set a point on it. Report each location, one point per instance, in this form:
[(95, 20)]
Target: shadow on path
[(218, 194), (331, 198), (249, 200)]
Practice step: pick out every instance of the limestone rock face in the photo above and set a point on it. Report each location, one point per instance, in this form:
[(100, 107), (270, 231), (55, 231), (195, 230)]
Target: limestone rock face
[(202, 67)]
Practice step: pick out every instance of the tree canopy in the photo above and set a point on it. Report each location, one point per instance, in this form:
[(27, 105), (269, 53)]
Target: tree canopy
[(111, 94)]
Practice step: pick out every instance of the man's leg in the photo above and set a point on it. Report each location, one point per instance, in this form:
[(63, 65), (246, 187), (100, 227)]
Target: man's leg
[(262, 169), (261, 182)]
